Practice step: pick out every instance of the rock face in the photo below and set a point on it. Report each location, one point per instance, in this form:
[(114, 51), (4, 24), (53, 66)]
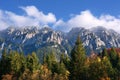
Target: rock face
[(45, 39), (109, 37), (90, 40), (30, 39)]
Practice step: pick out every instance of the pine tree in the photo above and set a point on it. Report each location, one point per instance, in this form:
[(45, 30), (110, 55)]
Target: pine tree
[(78, 57), (4, 63), (104, 53), (107, 67), (118, 67), (113, 57), (66, 60), (32, 62), (50, 60)]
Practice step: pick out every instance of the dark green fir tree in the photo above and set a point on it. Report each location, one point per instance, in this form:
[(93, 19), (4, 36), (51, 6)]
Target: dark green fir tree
[(78, 57)]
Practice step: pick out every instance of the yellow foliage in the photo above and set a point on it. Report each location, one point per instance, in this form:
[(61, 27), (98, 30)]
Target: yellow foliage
[(106, 78), (98, 59)]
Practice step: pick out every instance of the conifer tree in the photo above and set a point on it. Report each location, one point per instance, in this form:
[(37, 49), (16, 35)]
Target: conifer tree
[(104, 53), (78, 58), (113, 57), (50, 60), (118, 67), (32, 62), (107, 67), (4, 63)]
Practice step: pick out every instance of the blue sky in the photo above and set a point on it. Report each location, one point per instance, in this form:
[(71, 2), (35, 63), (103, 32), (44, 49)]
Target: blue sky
[(60, 14)]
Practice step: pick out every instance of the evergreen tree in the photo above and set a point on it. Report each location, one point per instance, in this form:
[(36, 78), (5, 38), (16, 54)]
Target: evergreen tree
[(113, 57), (95, 69), (118, 68), (78, 58), (107, 68), (66, 60), (50, 60), (16, 63), (104, 53), (32, 62), (4, 63)]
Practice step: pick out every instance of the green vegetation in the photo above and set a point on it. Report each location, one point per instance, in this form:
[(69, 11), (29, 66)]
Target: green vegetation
[(17, 66)]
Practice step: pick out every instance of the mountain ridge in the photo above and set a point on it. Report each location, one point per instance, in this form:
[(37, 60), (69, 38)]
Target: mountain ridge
[(31, 39)]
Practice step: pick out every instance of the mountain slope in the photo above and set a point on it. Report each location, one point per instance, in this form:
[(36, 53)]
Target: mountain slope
[(90, 40), (31, 39), (109, 37), (46, 40)]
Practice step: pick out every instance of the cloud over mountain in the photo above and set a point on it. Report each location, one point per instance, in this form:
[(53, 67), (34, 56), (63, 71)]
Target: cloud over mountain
[(34, 17), (87, 20), (31, 17), (34, 13)]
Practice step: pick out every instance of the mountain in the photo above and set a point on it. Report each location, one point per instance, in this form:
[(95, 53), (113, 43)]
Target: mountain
[(27, 40), (46, 40), (109, 37), (90, 40)]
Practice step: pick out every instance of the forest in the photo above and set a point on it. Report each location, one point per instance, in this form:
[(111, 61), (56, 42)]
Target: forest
[(102, 66)]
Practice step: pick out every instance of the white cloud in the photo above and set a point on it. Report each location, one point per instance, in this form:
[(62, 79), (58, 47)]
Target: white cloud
[(3, 23), (88, 20), (32, 11), (34, 17), (31, 17), (61, 25)]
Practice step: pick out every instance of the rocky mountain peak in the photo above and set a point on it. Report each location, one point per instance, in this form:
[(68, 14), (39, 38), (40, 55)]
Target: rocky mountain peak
[(32, 38)]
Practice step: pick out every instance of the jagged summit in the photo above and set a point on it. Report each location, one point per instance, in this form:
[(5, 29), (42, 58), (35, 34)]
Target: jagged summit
[(30, 39), (33, 38), (109, 37)]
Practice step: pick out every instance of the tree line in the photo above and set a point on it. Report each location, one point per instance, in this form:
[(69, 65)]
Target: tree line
[(104, 66)]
